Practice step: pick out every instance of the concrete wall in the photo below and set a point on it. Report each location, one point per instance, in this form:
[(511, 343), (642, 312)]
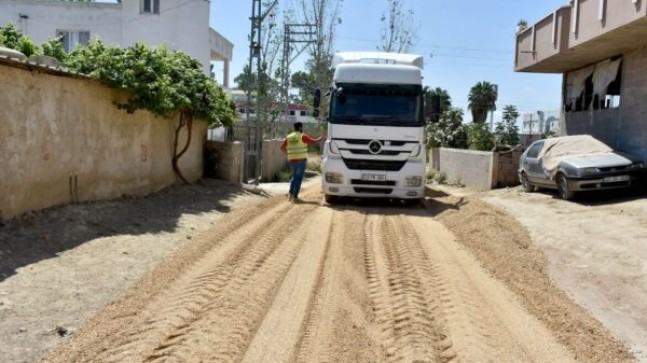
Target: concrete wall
[(479, 170), (225, 160), (184, 27), (62, 139), (475, 168), (45, 17), (625, 127), (273, 160), (615, 14), (632, 124)]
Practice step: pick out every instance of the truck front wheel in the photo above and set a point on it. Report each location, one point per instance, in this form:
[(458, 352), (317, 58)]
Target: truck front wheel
[(330, 199)]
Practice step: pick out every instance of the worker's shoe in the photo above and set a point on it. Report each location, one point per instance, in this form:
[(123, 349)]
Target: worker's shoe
[(290, 197)]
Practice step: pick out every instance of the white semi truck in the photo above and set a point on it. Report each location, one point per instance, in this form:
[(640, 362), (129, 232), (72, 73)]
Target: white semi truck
[(375, 146)]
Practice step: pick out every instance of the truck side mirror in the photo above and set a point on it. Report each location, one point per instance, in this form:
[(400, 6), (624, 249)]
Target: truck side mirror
[(315, 103)]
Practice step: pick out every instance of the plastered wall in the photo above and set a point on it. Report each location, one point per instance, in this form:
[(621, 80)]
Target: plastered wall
[(62, 139)]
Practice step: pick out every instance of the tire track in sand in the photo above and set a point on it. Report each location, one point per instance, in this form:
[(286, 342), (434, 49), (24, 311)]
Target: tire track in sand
[(404, 300), (483, 319), (212, 309)]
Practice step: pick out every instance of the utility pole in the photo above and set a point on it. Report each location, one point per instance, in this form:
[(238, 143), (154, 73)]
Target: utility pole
[(253, 155), (302, 34)]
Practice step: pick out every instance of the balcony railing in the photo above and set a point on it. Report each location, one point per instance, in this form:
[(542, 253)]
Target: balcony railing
[(580, 34)]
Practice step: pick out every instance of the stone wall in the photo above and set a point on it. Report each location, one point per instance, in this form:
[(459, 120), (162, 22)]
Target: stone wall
[(507, 163), (62, 139)]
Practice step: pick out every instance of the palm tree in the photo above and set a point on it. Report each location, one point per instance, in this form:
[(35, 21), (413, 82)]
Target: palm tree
[(482, 99), (444, 103)]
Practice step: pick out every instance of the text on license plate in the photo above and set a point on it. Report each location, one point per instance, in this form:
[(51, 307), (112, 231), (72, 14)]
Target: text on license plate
[(613, 179), (374, 177)]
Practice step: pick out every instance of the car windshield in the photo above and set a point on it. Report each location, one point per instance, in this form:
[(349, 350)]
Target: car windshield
[(389, 105)]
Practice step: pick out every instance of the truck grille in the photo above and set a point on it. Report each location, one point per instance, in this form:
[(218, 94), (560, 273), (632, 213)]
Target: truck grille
[(373, 190), (372, 182), (383, 165), (365, 142)]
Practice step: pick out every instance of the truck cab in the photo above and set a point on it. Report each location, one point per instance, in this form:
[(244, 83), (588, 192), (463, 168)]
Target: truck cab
[(375, 146)]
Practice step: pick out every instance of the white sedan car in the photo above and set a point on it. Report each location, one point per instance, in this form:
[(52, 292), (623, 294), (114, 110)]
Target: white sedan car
[(577, 163)]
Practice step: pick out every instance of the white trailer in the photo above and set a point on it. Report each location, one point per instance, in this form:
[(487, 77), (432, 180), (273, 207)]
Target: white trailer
[(375, 146)]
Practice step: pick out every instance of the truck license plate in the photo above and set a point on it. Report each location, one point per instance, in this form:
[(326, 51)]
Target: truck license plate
[(613, 179), (374, 177)]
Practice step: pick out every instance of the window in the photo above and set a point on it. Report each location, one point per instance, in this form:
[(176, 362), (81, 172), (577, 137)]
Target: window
[(594, 87), (534, 150), (150, 6), (304, 113), (71, 38), (291, 112)]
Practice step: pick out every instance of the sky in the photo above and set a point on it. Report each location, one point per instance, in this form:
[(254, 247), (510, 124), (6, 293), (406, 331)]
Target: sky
[(463, 42)]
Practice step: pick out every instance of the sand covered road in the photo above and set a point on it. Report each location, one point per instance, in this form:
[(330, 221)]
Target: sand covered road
[(453, 281)]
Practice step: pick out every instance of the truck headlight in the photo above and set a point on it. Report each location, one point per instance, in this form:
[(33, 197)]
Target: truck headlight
[(334, 178), (413, 181), (333, 147), (416, 151)]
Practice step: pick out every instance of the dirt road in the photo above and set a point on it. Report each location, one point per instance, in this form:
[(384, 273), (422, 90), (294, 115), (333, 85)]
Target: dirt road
[(308, 282)]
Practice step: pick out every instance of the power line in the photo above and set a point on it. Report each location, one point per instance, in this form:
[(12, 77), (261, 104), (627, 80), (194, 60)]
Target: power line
[(428, 45)]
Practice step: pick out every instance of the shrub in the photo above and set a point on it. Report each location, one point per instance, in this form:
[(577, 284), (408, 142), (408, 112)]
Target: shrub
[(479, 137)]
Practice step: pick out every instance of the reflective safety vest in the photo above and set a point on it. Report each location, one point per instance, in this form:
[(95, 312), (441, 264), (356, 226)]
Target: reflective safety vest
[(297, 149)]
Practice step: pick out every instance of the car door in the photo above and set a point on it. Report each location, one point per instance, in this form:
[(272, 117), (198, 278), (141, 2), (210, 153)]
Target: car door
[(532, 164)]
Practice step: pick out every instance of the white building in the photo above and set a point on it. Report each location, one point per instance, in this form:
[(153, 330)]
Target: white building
[(541, 122), (181, 25)]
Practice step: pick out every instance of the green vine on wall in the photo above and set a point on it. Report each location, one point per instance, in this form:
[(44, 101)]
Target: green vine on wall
[(166, 82)]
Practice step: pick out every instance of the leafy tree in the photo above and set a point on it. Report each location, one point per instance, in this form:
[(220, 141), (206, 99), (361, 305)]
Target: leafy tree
[(482, 99), (162, 81), (507, 131), (10, 36), (27, 46), (479, 137), (246, 81), (449, 131), (54, 48), (398, 33), (306, 83), (13, 38), (444, 103)]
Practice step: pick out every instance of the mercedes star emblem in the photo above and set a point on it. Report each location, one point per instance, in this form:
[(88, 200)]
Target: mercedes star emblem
[(375, 146)]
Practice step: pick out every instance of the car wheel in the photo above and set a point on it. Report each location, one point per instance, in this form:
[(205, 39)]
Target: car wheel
[(527, 187), (562, 187)]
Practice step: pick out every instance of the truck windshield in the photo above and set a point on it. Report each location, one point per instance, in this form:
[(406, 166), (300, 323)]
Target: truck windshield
[(383, 105)]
